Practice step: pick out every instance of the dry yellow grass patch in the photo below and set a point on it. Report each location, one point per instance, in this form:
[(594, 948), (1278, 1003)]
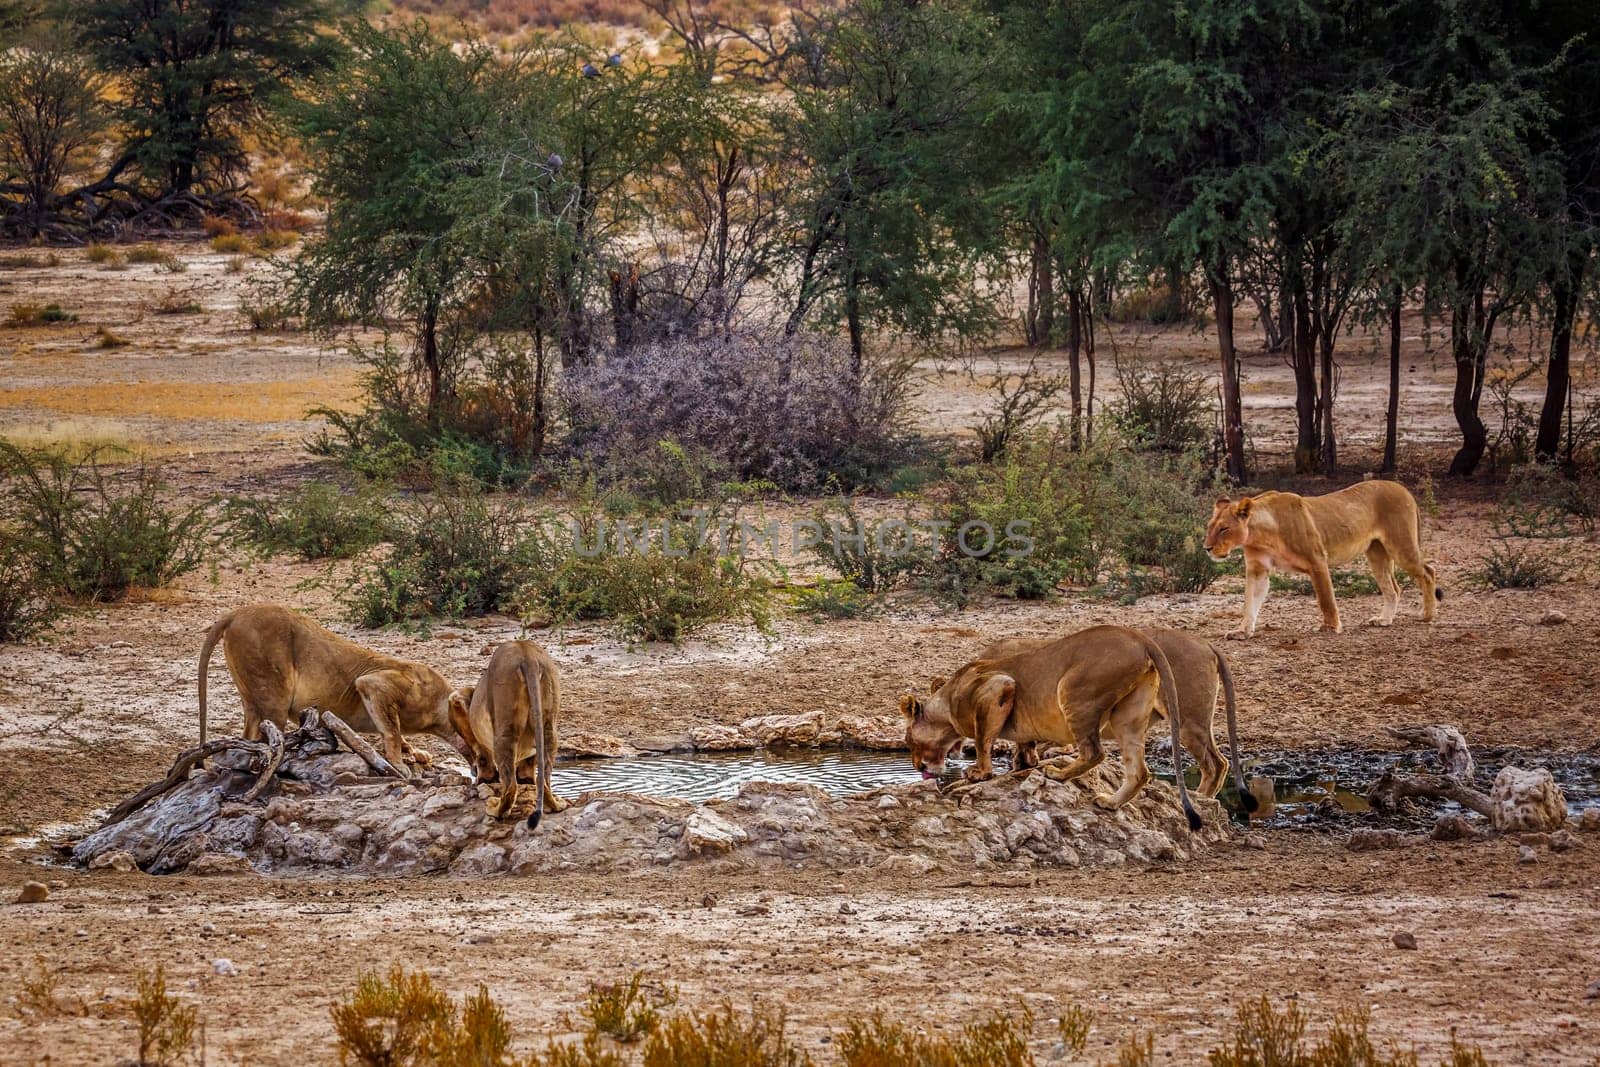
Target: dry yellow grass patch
[(221, 401)]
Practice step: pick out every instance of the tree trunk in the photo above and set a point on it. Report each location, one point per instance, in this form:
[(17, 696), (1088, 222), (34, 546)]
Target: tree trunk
[(1391, 423), (1469, 346), (1307, 444), (1041, 293), (1088, 352), (1232, 407), (1558, 381), (1074, 354), (430, 358), (1330, 447), (852, 314), (541, 419)]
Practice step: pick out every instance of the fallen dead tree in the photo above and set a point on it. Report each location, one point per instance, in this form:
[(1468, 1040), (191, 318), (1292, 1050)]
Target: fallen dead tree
[(1520, 801)]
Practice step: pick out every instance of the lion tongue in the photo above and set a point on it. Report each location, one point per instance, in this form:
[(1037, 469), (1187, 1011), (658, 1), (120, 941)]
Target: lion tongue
[(928, 774)]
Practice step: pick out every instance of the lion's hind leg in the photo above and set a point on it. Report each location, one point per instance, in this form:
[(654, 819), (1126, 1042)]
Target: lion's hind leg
[(1383, 573), (1129, 722)]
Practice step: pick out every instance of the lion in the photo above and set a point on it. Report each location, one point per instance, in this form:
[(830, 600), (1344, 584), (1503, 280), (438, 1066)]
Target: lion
[(1102, 681), (508, 719), (281, 662), (1311, 534), (1199, 669)]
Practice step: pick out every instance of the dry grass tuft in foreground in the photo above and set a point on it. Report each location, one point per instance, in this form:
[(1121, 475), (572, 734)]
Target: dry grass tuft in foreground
[(166, 1025)]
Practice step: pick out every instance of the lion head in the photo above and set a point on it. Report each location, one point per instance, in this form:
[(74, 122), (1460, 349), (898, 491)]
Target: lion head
[(1229, 526), (934, 729)]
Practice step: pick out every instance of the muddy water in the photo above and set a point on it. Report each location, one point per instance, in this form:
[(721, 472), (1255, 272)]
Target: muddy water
[(1310, 786)]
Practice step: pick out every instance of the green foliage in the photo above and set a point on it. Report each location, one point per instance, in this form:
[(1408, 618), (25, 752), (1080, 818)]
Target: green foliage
[(166, 1026), (723, 1038), (317, 520), (655, 581), (51, 117), (873, 555), (453, 553), (94, 532), (1165, 408), (1543, 502), (1155, 304), (1513, 564), (190, 93), (26, 606), (836, 599)]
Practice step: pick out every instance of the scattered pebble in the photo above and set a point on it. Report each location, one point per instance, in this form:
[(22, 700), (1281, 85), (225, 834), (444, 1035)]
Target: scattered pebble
[(33, 893), (1552, 618), (709, 900), (207, 929), (1593, 992), (887, 801), (1562, 840), (847, 908), (1405, 939), (224, 967), (1526, 855)]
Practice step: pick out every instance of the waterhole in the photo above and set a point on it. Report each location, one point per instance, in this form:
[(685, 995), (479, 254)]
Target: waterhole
[(1309, 786)]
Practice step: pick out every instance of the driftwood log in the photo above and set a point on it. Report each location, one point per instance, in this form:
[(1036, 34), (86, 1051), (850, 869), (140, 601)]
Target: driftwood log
[(315, 736), (1520, 801)]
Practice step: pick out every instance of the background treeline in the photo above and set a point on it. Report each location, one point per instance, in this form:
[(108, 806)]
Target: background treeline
[(744, 215)]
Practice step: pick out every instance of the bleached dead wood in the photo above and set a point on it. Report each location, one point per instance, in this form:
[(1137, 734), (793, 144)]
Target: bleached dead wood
[(358, 744), (186, 762), (1446, 742)]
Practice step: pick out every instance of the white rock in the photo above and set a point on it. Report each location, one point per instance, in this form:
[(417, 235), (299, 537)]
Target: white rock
[(224, 967), (706, 831), (1524, 801), (117, 861), (718, 739), (887, 801)]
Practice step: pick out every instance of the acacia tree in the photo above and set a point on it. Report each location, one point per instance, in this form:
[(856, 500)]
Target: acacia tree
[(889, 231), (194, 75), (391, 134), (50, 116)]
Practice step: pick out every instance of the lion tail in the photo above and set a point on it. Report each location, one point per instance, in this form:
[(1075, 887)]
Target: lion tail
[(536, 709), (213, 635), (1230, 704), (1169, 698)]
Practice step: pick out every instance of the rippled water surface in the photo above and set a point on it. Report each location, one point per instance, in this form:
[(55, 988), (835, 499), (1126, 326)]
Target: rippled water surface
[(1304, 780)]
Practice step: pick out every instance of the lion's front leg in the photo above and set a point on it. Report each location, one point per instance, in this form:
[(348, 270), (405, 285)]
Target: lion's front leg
[(988, 732), (1322, 582), (1257, 583)]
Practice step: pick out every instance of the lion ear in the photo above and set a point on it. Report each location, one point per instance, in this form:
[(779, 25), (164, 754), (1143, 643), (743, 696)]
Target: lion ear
[(1242, 508), (910, 706), (1223, 501), (936, 683), (1002, 689), (462, 698)]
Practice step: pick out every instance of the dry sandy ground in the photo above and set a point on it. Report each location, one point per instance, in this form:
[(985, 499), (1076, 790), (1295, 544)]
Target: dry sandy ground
[(103, 703)]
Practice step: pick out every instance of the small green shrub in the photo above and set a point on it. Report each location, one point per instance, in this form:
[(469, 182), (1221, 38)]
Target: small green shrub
[(830, 599), (315, 521), (1165, 408), (104, 338), (723, 1038), (93, 534), (268, 318), (1543, 502), (269, 241), (26, 606), (101, 253), (454, 553), (24, 315), (654, 581), (160, 257), (1512, 564), (874, 556), (166, 1026)]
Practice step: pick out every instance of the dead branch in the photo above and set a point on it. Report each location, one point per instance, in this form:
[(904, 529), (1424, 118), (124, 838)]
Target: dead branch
[(1391, 790), (1446, 742), (181, 767), (276, 743), (358, 744)]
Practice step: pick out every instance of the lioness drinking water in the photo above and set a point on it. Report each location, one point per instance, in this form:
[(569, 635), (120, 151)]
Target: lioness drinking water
[(1105, 680)]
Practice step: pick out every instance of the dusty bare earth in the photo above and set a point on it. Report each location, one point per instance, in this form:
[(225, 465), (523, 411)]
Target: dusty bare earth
[(101, 705)]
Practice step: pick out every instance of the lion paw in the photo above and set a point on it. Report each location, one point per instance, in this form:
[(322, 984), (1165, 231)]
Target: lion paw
[(1379, 620), (975, 776), (1105, 801), (557, 805), (1238, 633), (420, 758), (1332, 628)]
